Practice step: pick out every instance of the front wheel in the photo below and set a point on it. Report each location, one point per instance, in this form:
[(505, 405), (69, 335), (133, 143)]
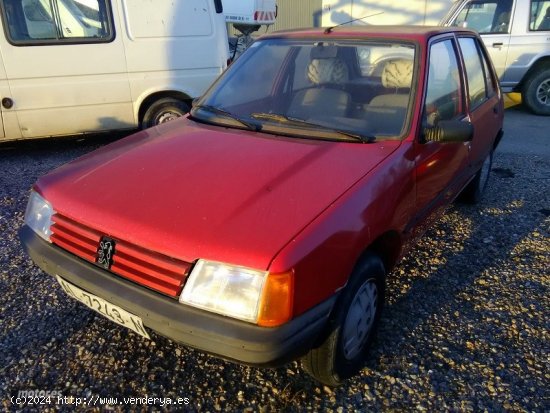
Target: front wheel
[(163, 110), (355, 319), (536, 92)]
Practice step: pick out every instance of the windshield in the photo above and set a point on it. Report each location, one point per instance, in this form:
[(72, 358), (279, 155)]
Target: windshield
[(354, 90)]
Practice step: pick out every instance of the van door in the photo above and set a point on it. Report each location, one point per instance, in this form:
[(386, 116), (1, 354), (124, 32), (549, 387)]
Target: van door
[(174, 49), (66, 67), (493, 20)]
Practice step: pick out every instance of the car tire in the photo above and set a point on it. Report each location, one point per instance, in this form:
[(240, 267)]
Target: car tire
[(163, 110), (342, 349), (536, 92), (473, 192)]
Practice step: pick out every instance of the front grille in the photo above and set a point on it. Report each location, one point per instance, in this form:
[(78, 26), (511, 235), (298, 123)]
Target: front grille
[(151, 269)]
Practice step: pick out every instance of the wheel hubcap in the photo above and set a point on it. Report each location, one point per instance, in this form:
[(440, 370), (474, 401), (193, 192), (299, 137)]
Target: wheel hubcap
[(360, 319), (543, 93), (167, 116)]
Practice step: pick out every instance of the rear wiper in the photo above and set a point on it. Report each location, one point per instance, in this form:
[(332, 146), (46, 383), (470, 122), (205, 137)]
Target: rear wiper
[(288, 119), (229, 115)]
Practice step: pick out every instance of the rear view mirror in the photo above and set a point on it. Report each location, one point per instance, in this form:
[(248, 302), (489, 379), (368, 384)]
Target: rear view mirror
[(449, 131)]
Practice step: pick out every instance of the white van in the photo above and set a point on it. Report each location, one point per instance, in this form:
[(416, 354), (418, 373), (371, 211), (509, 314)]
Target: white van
[(251, 12), (79, 66), (247, 17)]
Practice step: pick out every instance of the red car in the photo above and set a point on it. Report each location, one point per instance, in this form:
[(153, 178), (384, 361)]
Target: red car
[(261, 227)]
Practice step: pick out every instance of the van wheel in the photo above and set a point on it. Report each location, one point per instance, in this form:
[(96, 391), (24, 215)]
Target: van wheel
[(536, 92), (353, 324), (473, 192), (163, 110)]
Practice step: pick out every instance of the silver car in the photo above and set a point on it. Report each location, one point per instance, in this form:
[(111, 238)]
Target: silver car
[(517, 36)]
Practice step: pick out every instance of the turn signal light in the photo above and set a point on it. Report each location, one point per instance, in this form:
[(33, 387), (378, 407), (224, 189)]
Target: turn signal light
[(277, 300)]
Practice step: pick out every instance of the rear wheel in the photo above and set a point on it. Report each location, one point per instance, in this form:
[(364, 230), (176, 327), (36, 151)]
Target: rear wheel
[(473, 192), (536, 92), (355, 319), (163, 110)]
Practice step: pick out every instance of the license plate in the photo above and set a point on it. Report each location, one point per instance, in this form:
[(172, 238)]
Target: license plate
[(105, 308)]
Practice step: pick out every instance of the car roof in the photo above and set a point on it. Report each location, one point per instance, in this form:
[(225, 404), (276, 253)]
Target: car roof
[(405, 32)]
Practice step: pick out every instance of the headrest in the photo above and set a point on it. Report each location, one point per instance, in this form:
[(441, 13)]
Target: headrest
[(504, 17), (332, 70), (397, 73)]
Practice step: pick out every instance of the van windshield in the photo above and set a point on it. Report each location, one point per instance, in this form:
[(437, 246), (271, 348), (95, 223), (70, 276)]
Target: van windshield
[(361, 89)]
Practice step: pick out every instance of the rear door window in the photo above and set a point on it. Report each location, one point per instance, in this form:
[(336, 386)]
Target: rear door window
[(476, 71)]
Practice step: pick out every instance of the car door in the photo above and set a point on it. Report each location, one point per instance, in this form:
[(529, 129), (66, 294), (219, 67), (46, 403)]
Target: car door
[(441, 168), (484, 105), (66, 67), (493, 20)]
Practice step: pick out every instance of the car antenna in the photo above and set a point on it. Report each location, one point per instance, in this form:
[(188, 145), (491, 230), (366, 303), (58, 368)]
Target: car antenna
[(328, 30)]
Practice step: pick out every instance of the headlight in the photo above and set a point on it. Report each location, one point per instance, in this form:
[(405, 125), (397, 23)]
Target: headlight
[(243, 293), (38, 215)]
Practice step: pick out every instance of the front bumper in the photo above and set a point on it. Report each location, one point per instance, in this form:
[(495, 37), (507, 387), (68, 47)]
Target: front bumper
[(218, 335)]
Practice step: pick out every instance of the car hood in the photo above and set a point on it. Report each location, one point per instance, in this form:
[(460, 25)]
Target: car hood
[(195, 191)]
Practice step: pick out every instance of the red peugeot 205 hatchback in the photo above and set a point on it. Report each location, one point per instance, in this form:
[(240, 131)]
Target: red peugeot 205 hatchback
[(261, 227)]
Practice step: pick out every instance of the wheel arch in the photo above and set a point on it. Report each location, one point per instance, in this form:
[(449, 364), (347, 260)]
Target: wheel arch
[(387, 246), (153, 97), (542, 62)]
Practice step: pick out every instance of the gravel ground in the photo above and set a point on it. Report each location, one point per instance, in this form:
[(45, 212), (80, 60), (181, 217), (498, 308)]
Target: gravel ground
[(466, 327)]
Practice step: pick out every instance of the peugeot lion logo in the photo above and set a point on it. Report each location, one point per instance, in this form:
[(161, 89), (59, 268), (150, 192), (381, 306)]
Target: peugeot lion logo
[(105, 252)]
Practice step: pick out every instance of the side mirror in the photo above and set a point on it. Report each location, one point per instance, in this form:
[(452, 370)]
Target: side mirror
[(449, 131)]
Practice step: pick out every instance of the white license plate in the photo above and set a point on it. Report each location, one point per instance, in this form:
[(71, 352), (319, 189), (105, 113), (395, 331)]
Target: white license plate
[(105, 308)]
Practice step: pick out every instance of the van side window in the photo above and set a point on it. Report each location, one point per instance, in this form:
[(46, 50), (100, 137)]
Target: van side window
[(486, 16), (36, 22), (540, 15)]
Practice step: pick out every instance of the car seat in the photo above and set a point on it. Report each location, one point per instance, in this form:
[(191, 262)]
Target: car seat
[(326, 97), (387, 111), (503, 22)]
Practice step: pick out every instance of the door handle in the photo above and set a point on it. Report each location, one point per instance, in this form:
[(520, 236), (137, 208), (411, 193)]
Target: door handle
[(495, 109), (500, 44)]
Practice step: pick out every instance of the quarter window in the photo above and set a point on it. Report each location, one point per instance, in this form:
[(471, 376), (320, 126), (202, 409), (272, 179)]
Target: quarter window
[(477, 89), (35, 22)]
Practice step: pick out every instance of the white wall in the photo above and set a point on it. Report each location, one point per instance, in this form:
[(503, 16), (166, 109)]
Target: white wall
[(422, 12)]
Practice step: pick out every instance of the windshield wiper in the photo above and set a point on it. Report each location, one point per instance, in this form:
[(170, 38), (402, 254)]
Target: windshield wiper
[(229, 115), (288, 119)]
